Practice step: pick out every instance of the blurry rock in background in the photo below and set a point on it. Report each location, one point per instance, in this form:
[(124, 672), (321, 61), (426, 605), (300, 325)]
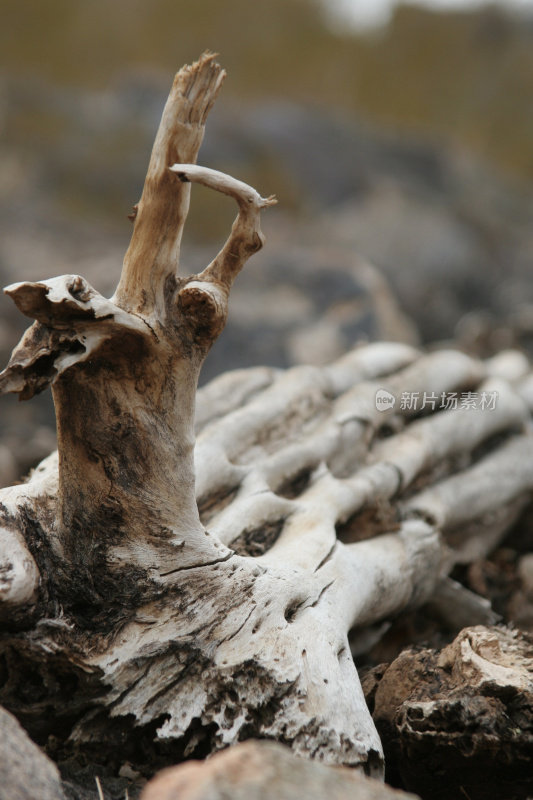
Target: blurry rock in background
[(388, 226)]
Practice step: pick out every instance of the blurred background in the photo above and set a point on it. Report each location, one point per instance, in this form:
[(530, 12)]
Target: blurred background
[(398, 139)]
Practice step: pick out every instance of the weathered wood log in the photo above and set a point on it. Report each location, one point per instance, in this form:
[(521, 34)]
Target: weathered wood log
[(155, 609)]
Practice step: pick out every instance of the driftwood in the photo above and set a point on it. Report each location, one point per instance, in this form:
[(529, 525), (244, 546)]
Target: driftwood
[(156, 609)]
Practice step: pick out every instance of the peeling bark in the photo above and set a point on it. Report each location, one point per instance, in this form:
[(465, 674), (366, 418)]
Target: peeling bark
[(157, 608)]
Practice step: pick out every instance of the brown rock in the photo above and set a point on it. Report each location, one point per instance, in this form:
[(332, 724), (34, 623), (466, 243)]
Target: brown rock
[(261, 770), (459, 723)]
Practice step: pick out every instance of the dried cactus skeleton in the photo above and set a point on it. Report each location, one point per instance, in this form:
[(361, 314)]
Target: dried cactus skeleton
[(150, 599)]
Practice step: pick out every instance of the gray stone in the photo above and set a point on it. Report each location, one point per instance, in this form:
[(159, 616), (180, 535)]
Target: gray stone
[(26, 773)]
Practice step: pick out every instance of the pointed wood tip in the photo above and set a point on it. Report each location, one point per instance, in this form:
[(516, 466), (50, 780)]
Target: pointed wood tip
[(200, 83)]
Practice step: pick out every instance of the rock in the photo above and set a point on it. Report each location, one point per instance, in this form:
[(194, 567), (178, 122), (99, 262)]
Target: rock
[(261, 770), (25, 772), (459, 723)]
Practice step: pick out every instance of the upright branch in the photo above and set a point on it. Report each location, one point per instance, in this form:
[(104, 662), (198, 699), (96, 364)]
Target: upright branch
[(153, 254)]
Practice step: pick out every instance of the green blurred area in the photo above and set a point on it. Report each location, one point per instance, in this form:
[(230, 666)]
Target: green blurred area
[(462, 77)]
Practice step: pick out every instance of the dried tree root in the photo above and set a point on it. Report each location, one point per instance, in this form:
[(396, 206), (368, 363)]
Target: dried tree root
[(178, 626)]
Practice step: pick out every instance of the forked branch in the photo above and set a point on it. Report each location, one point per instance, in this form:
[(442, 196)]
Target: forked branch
[(205, 297), (124, 371), (246, 237)]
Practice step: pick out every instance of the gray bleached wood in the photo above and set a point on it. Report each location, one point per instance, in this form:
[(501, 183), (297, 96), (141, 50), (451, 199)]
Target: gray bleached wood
[(198, 597)]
